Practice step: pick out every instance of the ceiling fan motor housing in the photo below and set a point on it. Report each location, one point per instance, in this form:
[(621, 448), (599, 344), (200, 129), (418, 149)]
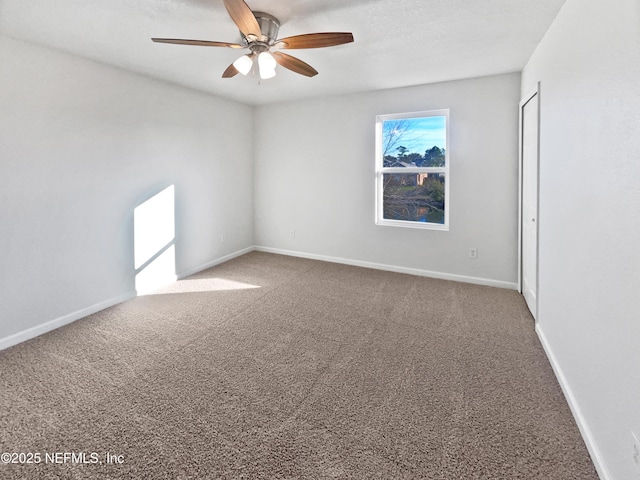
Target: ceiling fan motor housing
[(269, 26)]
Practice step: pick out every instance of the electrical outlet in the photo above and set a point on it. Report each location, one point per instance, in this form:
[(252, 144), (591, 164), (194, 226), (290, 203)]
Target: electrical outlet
[(222, 238), (473, 253), (636, 452), (292, 233)]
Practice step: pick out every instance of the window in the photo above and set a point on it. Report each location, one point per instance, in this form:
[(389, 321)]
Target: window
[(412, 170)]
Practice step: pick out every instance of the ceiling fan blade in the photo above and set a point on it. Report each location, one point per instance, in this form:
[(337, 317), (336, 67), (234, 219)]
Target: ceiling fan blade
[(231, 71), (315, 40), (294, 64), (243, 17), (202, 43)]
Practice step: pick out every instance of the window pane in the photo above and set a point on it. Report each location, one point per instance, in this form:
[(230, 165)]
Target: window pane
[(414, 142), (412, 168), (417, 197)]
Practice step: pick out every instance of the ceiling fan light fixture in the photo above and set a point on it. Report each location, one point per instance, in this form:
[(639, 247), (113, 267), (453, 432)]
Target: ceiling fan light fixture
[(267, 65), (243, 64), (266, 73), (266, 61)]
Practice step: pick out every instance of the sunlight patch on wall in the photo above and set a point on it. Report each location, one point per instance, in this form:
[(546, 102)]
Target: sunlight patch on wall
[(154, 242), (197, 285)]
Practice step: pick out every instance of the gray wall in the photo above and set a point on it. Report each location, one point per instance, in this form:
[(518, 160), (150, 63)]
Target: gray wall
[(81, 145), (589, 67), (314, 172)]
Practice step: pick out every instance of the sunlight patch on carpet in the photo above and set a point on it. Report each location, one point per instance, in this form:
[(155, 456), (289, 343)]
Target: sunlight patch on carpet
[(195, 285)]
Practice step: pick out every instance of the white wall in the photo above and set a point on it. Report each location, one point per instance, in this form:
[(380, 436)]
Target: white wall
[(589, 307), (314, 172), (81, 145)]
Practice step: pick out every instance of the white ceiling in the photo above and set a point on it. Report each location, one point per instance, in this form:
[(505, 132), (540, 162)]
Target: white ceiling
[(397, 42)]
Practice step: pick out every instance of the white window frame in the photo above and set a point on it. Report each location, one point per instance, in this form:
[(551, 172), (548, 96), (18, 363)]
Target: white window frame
[(381, 170)]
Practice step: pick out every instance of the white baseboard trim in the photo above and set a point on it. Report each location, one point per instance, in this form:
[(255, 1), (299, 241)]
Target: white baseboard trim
[(393, 268), (583, 426), (33, 332), (213, 263), (38, 330)]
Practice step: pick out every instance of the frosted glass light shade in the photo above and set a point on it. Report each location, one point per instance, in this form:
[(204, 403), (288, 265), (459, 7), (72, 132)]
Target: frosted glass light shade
[(243, 64), (266, 61), (265, 74), (267, 65)]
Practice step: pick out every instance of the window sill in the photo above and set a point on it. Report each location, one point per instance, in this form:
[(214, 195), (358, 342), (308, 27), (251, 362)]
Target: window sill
[(415, 225)]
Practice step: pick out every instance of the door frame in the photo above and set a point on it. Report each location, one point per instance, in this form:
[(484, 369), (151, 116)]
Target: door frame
[(526, 99)]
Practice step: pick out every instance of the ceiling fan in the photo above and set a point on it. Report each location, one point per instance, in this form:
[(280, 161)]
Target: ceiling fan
[(259, 32)]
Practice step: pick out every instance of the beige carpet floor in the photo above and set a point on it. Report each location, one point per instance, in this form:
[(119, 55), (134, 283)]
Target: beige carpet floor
[(272, 367)]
